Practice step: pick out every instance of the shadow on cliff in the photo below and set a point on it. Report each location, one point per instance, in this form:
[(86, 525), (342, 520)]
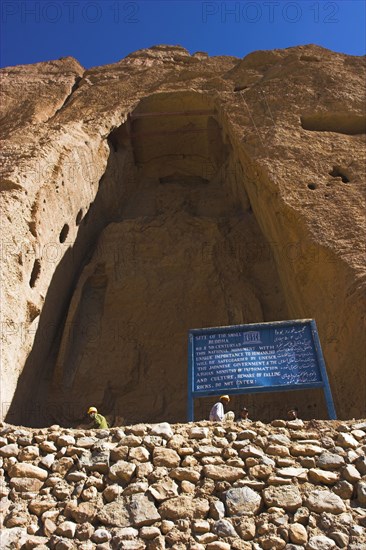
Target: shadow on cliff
[(30, 405)]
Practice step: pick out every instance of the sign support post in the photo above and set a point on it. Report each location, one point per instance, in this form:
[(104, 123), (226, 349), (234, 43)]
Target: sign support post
[(190, 404), (327, 392)]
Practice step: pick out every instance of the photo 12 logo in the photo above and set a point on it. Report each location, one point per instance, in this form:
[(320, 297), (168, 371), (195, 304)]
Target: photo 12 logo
[(69, 11), (269, 12)]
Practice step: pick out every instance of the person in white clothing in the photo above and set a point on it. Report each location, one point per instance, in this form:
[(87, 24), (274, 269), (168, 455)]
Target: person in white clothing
[(217, 413)]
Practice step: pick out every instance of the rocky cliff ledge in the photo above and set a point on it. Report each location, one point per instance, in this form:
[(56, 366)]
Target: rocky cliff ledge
[(172, 191), (248, 486)]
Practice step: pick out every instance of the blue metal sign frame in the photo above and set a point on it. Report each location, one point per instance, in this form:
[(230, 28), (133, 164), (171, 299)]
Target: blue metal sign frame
[(295, 362)]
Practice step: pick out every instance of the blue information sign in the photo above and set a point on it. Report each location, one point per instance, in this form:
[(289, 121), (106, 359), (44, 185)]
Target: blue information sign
[(284, 355)]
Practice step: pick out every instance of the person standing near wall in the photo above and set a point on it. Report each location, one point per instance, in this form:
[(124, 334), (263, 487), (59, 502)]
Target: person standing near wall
[(217, 413), (99, 420), (293, 414), (243, 415)]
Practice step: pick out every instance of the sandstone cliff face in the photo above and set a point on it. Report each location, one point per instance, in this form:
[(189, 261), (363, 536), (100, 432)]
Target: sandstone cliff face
[(169, 192)]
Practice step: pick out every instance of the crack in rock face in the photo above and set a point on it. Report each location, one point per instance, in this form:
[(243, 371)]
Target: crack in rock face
[(170, 192)]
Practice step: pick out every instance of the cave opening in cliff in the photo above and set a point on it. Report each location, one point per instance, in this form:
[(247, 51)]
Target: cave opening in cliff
[(181, 249), (178, 246)]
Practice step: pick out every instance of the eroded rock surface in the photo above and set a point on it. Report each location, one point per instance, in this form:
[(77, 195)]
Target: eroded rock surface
[(172, 191)]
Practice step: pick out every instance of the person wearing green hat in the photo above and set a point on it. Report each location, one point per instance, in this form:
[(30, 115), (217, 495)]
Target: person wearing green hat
[(99, 420)]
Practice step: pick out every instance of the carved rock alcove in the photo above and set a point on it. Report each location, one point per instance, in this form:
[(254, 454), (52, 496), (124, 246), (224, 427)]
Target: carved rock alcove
[(178, 254)]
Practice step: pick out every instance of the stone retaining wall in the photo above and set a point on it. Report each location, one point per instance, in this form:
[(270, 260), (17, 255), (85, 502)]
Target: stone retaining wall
[(289, 485)]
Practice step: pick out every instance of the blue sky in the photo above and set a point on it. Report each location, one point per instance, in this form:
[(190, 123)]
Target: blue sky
[(97, 32)]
